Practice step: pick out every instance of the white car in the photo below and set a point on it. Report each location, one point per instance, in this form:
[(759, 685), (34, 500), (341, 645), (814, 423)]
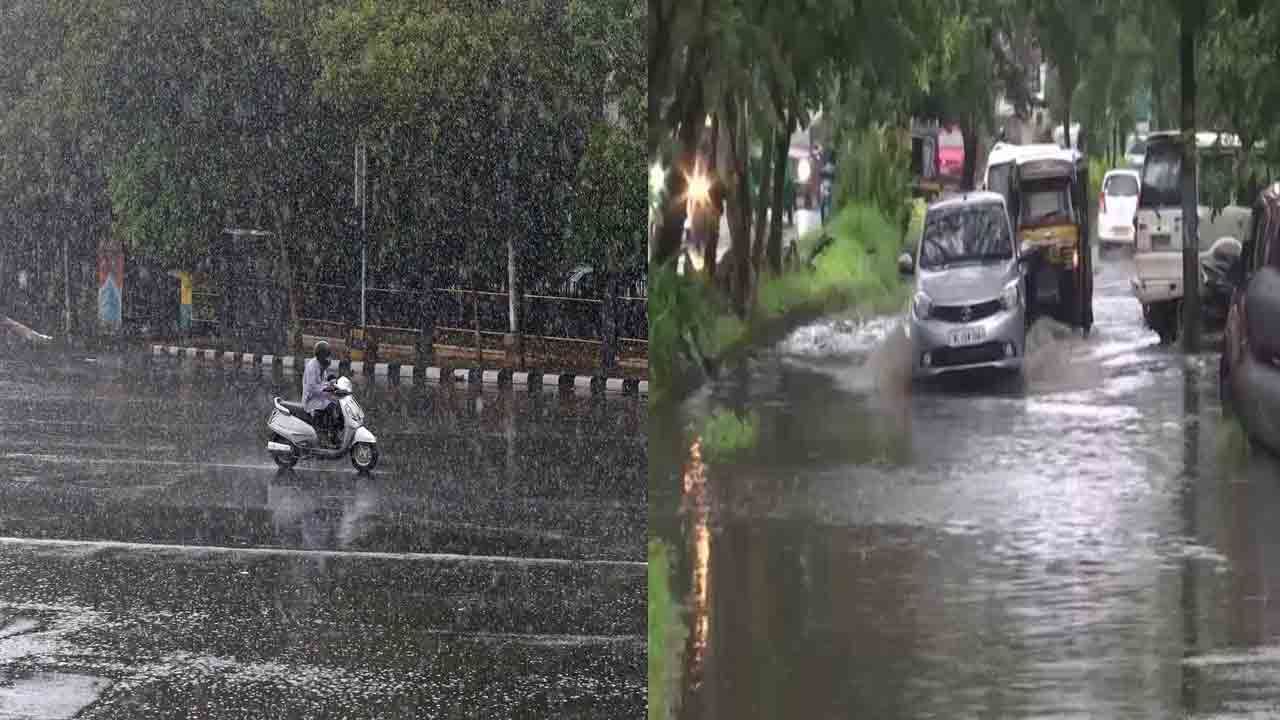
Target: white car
[(1117, 207)]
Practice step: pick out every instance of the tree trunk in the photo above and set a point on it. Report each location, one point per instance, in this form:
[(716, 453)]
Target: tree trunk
[(782, 144), (1190, 218), (762, 212), (1158, 119), (671, 234), (711, 247), (739, 203), (424, 343), (1066, 124), (609, 319), (293, 334), (515, 293), (970, 139)]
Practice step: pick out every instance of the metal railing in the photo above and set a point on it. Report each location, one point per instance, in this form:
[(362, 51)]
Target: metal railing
[(483, 311), (470, 320)]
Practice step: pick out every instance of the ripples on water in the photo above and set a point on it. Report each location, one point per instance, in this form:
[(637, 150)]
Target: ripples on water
[(1065, 546)]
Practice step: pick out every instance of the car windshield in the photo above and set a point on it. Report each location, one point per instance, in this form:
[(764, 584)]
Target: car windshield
[(1122, 186), (998, 177), (972, 233), (1138, 147), (1160, 176), (1044, 202)]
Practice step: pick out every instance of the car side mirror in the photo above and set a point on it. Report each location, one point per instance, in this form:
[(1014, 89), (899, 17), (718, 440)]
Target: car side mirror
[(906, 264)]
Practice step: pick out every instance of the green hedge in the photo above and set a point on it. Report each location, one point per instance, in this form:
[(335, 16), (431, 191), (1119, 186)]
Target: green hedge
[(859, 267)]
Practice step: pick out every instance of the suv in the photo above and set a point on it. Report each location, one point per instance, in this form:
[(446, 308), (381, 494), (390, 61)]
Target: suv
[(1249, 370), (968, 310), (1157, 258)]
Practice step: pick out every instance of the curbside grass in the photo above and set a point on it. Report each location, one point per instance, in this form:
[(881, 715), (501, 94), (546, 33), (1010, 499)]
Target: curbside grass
[(665, 635)]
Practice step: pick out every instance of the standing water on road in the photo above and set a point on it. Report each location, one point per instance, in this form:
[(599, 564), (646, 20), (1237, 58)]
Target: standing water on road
[(154, 560), (1087, 541)]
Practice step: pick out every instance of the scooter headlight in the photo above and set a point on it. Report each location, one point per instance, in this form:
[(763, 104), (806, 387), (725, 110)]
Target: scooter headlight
[(922, 305), (1009, 296)]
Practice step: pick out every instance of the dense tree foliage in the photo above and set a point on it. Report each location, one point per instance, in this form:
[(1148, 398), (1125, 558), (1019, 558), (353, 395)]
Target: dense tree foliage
[(163, 124)]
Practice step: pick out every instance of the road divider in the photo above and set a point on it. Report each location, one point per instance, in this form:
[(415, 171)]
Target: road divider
[(532, 380)]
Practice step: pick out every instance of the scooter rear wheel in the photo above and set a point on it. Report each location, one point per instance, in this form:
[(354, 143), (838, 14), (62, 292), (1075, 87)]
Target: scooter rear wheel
[(364, 457), (285, 460)]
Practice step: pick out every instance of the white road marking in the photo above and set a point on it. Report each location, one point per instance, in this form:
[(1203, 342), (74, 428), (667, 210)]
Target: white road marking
[(296, 552)]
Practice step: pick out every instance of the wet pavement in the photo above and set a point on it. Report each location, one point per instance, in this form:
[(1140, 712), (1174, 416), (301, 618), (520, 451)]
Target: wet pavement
[(155, 564), (1093, 541)]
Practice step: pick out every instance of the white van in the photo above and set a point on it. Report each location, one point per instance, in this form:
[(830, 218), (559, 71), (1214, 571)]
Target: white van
[(1157, 282)]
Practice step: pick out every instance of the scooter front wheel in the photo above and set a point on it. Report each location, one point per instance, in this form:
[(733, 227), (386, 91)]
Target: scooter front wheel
[(364, 456)]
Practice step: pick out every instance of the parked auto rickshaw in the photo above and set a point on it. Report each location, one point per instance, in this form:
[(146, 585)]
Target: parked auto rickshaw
[(1047, 189)]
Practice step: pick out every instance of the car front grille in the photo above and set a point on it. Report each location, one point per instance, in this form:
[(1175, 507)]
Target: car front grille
[(957, 313), (968, 355)]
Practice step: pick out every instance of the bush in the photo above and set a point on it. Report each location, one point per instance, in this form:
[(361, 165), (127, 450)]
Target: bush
[(726, 435), (875, 170), (1097, 170), (683, 310), (916, 225), (860, 265), (688, 321)]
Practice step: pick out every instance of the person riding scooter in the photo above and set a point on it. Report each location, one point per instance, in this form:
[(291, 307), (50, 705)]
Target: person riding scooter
[(317, 392)]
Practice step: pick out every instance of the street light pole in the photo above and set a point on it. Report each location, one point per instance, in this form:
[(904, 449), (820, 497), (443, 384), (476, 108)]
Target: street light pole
[(362, 166)]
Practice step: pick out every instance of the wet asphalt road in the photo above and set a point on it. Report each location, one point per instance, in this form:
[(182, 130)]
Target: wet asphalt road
[(1096, 541), (155, 564)]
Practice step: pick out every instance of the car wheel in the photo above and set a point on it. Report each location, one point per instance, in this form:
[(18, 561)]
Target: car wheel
[(1163, 318)]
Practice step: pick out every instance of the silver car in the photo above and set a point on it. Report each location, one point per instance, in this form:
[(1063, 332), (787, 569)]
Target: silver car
[(968, 308)]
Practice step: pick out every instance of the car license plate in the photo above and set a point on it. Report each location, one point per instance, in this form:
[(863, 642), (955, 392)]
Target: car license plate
[(1160, 241), (967, 336), (1121, 229)]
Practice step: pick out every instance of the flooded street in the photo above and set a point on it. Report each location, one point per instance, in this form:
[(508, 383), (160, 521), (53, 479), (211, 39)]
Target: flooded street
[(1091, 541), (154, 563)]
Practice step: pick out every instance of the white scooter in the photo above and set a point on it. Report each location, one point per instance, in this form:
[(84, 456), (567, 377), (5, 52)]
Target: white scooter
[(293, 437)]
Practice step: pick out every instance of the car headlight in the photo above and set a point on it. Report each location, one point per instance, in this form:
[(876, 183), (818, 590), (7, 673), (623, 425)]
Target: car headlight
[(1009, 296), (922, 305)]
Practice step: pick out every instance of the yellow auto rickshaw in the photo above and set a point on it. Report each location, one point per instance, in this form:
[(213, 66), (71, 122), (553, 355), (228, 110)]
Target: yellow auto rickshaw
[(1047, 190)]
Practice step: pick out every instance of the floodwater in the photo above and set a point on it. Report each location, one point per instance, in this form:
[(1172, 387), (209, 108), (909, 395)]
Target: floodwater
[(154, 563), (1093, 541)]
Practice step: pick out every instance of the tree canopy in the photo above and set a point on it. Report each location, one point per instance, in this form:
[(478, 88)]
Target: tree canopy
[(162, 124)]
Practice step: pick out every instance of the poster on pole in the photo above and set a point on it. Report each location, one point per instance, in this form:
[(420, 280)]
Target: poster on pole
[(110, 284)]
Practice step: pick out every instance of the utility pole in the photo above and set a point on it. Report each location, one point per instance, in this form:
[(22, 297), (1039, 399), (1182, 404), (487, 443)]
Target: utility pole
[(1190, 195), (362, 168)]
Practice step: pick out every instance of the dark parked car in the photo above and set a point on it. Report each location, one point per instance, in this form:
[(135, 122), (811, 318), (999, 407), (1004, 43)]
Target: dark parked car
[(1249, 371)]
